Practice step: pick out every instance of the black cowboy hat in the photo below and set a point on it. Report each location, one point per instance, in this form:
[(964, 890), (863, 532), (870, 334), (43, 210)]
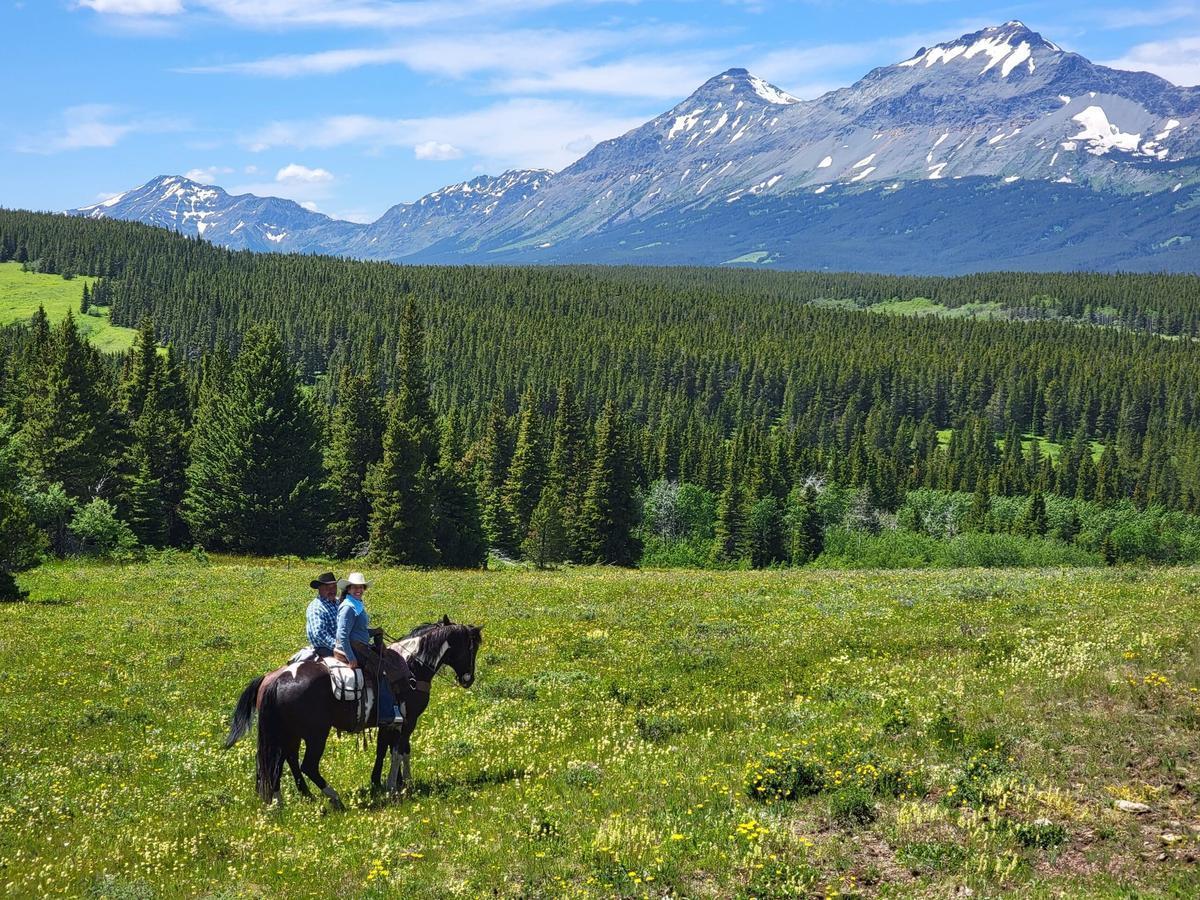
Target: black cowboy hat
[(323, 578)]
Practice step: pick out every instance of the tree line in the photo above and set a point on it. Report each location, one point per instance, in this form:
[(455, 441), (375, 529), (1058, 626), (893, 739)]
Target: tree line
[(433, 412)]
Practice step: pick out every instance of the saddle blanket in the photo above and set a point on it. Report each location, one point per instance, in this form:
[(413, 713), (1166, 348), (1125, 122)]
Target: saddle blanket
[(348, 683)]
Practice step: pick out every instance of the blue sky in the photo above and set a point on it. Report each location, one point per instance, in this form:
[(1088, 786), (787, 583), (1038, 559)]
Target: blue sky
[(349, 106)]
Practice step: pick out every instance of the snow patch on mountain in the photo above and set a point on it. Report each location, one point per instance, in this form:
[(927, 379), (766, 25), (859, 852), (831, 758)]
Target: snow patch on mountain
[(1101, 135)]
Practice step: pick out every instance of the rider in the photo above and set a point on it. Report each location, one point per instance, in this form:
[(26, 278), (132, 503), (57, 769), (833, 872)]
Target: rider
[(352, 639), (321, 617)]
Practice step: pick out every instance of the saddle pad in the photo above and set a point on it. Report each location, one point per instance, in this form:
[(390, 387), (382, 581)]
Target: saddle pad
[(347, 682)]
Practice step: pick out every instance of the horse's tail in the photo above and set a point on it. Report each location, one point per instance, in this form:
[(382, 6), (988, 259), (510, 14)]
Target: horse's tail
[(243, 714), (270, 744)]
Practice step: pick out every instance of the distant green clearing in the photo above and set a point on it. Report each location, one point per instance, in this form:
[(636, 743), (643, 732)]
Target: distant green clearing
[(1049, 448), (21, 293)]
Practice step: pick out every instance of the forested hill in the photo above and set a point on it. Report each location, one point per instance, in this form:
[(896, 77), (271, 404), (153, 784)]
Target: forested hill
[(735, 382)]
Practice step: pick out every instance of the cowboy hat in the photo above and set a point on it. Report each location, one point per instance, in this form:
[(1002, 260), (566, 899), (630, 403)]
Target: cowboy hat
[(323, 578), (354, 578)]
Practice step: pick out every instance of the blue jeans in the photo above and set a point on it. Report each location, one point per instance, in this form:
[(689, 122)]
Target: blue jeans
[(387, 702)]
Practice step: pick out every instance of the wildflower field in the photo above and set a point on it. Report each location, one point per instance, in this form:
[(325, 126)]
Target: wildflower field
[(631, 733)]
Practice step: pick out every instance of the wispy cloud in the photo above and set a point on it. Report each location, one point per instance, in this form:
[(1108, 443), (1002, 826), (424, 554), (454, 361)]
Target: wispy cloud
[(518, 132), (1146, 16), (1177, 60), (133, 7), (346, 14), (91, 126)]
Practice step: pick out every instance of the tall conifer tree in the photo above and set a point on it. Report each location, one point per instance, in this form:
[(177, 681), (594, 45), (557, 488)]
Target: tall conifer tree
[(254, 481)]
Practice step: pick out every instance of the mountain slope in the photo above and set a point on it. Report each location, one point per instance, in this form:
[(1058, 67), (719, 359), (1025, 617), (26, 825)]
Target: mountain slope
[(1002, 106)]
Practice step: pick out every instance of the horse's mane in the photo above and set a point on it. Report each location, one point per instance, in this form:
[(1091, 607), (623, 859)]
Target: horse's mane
[(438, 630)]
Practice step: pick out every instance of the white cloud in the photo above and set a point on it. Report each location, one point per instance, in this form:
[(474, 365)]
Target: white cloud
[(310, 206), (513, 52), (1177, 60), (518, 132), (134, 7), (649, 77), (436, 150), (207, 175), (298, 174), (1145, 16), (91, 126), (364, 14)]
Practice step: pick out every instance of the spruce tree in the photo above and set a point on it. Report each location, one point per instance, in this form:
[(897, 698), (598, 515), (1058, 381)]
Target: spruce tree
[(64, 435), (806, 535), (567, 471), (609, 513), (350, 451), (23, 542), (493, 468), (729, 541), (1033, 521), (254, 480), (526, 472), (401, 495), (458, 526), (546, 540)]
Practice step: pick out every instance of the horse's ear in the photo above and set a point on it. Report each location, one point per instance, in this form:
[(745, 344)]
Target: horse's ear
[(445, 619)]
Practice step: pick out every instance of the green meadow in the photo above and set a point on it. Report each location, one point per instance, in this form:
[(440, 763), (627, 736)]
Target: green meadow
[(21, 293), (631, 734)]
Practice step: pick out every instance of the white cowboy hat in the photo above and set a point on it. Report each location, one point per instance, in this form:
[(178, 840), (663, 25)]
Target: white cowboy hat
[(356, 578)]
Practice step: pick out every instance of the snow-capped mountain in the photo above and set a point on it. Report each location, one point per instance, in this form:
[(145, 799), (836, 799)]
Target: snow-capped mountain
[(443, 214), (243, 221), (1000, 118)]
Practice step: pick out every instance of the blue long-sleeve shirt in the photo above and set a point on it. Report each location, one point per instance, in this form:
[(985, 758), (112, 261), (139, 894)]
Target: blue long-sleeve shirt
[(321, 625), (351, 626)]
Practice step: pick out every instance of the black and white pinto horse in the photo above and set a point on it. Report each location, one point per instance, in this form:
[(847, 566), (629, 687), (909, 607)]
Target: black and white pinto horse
[(296, 703)]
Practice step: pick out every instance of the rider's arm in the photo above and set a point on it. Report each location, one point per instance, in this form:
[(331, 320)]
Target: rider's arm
[(345, 625)]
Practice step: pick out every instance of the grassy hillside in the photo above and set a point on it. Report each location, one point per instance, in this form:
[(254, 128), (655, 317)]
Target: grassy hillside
[(630, 733), (21, 293)]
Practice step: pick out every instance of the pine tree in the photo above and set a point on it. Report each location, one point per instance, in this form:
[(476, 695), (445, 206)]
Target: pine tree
[(458, 528), (64, 435), (493, 462), (609, 513), (526, 474), (806, 535), (401, 495), (731, 515), (1033, 521), (22, 543), (85, 302), (764, 533), (979, 516), (352, 448), (546, 540), (255, 472), (567, 472)]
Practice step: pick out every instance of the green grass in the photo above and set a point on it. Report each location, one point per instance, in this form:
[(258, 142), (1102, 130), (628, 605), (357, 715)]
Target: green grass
[(912, 733), (21, 293)]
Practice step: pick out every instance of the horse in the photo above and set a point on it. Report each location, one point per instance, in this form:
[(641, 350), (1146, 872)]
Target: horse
[(296, 703)]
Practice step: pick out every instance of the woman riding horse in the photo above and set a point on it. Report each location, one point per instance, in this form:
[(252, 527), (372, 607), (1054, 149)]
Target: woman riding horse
[(297, 704)]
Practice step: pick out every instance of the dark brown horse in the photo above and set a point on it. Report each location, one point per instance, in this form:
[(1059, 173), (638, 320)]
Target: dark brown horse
[(296, 703)]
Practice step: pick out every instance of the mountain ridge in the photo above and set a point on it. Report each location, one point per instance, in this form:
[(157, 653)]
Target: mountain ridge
[(1002, 104)]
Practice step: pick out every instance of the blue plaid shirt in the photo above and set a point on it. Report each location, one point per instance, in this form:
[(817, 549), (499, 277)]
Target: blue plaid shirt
[(321, 625)]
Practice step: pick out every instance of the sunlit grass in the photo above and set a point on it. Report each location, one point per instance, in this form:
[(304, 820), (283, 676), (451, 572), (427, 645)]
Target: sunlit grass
[(917, 732)]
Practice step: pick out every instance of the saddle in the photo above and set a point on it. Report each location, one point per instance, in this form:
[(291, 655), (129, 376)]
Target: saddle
[(350, 685)]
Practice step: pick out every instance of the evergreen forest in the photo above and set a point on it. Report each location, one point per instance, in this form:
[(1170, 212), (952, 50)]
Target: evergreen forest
[(276, 404)]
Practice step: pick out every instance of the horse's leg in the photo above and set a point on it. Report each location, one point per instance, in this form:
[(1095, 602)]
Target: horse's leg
[(381, 748), (293, 759), (314, 748), (401, 775)]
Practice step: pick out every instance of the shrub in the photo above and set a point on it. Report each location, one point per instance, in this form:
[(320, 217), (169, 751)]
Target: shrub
[(852, 805), (784, 775), (100, 531)]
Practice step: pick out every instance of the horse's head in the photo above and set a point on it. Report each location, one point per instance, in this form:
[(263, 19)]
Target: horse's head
[(463, 645)]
